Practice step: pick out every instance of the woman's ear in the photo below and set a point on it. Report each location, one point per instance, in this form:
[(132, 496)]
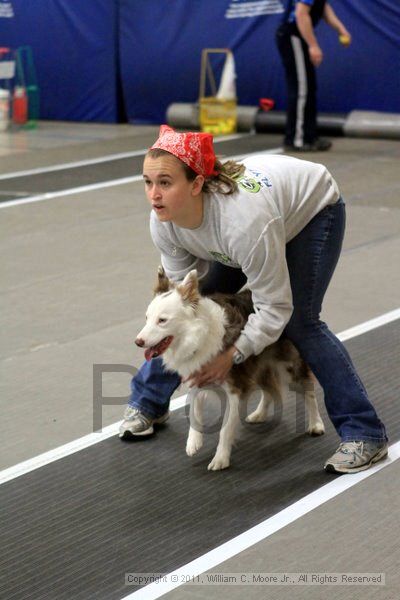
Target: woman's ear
[(198, 185)]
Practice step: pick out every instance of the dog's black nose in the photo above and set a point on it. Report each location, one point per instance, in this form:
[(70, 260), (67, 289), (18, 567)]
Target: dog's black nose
[(139, 342)]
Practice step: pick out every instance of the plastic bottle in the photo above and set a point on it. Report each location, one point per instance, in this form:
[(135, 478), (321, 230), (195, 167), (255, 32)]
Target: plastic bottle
[(4, 109), (20, 106)]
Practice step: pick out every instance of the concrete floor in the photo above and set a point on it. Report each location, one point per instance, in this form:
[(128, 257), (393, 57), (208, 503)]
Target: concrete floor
[(77, 274)]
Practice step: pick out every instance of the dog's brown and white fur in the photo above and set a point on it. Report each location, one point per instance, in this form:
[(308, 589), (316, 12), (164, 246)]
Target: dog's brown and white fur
[(189, 330)]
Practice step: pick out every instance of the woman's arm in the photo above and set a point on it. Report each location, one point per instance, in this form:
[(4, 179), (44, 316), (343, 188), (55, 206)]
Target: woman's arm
[(305, 26), (268, 279)]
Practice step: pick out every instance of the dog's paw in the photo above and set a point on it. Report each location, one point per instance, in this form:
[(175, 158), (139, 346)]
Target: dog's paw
[(257, 417), (194, 443), (218, 463), (316, 428)]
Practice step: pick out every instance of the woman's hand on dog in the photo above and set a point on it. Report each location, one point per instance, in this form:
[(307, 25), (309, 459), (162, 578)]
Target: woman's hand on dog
[(215, 371)]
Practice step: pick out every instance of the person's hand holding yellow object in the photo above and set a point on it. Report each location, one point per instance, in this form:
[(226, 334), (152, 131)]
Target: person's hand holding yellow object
[(345, 39)]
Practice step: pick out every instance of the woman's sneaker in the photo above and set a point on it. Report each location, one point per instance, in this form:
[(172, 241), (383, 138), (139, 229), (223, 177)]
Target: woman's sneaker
[(137, 423), (352, 457)]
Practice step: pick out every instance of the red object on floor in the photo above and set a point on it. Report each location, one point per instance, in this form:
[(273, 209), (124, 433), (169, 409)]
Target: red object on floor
[(267, 103), (20, 106)]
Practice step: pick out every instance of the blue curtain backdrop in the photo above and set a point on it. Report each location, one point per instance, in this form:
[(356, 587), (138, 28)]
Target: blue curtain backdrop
[(161, 43), (86, 52), (74, 45)]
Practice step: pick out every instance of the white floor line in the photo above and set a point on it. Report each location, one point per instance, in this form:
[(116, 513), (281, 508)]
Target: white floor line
[(388, 317), (102, 184), (261, 531), (94, 438), (75, 446), (98, 160), (78, 190), (73, 165)]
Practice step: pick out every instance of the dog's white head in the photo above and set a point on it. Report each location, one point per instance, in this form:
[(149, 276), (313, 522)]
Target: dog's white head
[(169, 315)]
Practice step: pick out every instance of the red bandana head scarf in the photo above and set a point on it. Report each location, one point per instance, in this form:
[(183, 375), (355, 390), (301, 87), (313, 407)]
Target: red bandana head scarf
[(193, 148)]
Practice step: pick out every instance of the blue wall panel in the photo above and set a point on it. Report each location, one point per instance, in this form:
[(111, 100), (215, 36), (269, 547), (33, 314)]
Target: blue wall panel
[(365, 76), (160, 48), (74, 46)]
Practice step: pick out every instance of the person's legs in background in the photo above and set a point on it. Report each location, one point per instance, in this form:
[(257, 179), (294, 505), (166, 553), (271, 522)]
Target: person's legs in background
[(310, 109), (301, 116), (292, 84)]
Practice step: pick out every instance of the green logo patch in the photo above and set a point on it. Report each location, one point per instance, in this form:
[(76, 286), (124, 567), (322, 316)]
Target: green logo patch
[(223, 258), (249, 185)]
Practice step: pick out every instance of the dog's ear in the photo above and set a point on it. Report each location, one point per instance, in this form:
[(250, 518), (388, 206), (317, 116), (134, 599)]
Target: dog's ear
[(163, 284), (189, 288)]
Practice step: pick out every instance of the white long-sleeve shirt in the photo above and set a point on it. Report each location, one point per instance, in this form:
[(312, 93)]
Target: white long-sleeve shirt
[(276, 198)]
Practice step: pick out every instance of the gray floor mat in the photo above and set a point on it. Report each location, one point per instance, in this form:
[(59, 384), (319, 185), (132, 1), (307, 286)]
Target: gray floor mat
[(73, 528)]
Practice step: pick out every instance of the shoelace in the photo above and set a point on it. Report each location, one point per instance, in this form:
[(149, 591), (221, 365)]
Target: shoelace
[(351, 447), (133, 413)]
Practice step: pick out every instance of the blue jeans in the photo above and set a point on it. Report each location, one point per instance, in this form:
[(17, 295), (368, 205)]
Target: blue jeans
[(311, 258)]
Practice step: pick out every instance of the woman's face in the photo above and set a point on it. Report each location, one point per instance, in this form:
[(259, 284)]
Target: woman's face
[(171, 195)]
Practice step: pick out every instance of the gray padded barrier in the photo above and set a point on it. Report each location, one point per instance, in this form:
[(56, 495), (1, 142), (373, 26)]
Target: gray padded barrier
[(274, 122), (362, 123), (183, 115), (357, 123), (186, 116)]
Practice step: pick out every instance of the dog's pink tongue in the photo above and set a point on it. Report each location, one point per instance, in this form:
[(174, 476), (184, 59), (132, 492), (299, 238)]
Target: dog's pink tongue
[(159, 348), (149, 353)]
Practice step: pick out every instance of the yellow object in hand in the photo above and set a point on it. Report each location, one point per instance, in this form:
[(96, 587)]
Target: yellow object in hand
[(344, 40)]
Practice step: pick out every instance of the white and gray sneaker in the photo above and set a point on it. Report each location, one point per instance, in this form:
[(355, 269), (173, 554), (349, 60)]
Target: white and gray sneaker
[(352, 457), (136, 423)]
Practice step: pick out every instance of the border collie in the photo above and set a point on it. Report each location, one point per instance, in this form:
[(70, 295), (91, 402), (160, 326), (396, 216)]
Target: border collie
[(189, 330)]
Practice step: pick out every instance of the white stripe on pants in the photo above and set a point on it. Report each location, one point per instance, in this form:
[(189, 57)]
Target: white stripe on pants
[(302, 90)]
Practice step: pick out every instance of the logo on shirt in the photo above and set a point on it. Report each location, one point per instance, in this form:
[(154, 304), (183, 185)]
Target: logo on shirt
[(223, 258), (249, 185), (261, 178), (253, 184)]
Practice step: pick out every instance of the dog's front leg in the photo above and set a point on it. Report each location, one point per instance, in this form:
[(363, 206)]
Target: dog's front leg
[(195, 437), (222, 456)]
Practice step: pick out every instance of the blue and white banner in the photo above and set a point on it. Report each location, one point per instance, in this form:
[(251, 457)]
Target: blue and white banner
[(241, 9), (6, 9)]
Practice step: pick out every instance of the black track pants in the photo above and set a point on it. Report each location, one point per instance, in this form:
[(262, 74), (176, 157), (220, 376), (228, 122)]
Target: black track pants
[(301, 124)]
